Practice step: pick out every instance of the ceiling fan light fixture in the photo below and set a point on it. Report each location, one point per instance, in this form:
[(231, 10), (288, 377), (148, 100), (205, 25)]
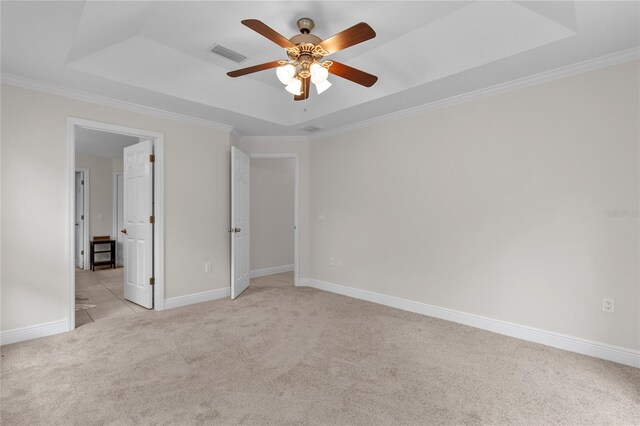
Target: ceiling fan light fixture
[(319, 73), (286, 73), (321, 87), (295, 86), (306, 57)]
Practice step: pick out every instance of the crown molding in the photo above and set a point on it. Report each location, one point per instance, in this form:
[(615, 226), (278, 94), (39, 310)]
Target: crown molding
[(80, 95), (532, 80), (271, 139)]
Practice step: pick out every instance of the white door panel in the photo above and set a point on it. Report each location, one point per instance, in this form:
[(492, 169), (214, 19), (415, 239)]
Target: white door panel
[(137, 212), (240, 224)]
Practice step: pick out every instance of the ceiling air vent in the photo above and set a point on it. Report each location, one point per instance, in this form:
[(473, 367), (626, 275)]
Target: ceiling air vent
[(228, 53), (311, 129)]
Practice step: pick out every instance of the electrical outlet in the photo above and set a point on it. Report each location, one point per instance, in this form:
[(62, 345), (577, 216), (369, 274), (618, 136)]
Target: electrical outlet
[(332, 261), (207, 267), (608, 305)]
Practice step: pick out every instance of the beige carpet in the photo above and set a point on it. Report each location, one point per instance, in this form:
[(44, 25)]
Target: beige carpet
[(283, 355)]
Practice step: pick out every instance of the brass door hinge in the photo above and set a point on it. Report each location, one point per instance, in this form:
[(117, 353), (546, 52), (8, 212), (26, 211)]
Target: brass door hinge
[(152, 281), (152, 219), (152, 158)]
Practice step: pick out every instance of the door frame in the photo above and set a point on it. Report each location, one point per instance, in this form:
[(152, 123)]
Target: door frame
[(158, 193), (296, 205), (86, 211), (114, 225)]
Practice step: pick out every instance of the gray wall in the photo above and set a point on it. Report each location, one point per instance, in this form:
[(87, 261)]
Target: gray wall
[(34, 221), (496, 207), (101, 192), (272, 212)]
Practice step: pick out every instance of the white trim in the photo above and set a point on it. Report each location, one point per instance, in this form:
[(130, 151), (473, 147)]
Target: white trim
[(532, 80), (296, 206), (190, 299), (158, 248), (268, 139), (114, 204), (26, 83), (263, 272), (158, 228), (618, 354), (33, 332), (87, 214)]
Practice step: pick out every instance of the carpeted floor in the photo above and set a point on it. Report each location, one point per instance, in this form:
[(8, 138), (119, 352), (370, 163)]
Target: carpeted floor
[(284, 355)]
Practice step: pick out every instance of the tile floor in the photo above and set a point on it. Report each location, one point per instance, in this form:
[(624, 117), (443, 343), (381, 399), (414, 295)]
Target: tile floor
[(104, 289)]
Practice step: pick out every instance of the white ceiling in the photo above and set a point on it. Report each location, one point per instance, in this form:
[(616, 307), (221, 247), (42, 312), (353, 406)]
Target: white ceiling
[(96, 143), (156, 54)]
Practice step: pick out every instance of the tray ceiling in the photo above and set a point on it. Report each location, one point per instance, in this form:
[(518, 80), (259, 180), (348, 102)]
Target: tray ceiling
[(157, 54)]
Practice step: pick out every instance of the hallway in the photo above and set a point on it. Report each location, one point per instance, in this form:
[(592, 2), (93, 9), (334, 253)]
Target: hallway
[(100, 295)]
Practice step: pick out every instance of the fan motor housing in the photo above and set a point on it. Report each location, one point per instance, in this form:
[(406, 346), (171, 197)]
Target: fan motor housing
[(305, 39)]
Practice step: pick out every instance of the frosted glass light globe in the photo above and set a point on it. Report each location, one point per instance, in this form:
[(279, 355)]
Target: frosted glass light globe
[(319, 73), (285, 73), (321, 87), (294, 87)]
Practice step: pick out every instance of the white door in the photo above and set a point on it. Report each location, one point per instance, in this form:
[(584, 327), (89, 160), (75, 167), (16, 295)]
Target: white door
[(119, 218), (240, 229), (79, 220), (138, 226)]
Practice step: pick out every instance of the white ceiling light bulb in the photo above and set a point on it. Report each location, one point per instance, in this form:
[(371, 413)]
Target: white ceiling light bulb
[(321, 87), (295, 86), (285, 73), (319, 73)]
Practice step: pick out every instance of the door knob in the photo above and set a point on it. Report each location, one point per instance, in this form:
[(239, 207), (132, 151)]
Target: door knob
[(238, 230), (123, 230)]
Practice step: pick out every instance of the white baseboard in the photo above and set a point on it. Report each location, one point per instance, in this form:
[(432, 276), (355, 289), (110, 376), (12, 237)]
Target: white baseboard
[(569, 343), (190, 299), (33, 332), (270, 271)]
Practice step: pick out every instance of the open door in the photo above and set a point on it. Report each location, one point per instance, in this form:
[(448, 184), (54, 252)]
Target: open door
[(240, 225), (138, 223), (79, 222)]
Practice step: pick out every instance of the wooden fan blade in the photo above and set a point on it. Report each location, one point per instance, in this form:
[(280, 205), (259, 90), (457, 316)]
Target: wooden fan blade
[(306, 88), (268, 32), (349, 37), (353, 74), (255, 68)]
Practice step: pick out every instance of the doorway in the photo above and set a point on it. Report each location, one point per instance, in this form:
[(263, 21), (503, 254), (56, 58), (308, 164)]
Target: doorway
[(272, 216), (261, 258), (110, 211)]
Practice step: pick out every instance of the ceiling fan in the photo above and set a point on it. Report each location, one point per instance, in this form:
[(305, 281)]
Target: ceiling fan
[(306, 54)]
